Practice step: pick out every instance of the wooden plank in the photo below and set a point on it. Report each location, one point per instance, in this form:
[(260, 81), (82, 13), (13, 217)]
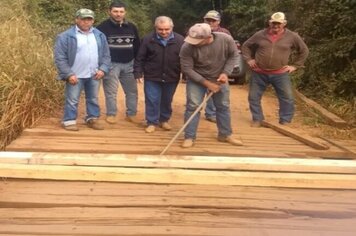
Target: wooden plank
[(327, 115), (179, 176), (348, 150), (148, 230), (186, 162), (304, 138), (71, 193)]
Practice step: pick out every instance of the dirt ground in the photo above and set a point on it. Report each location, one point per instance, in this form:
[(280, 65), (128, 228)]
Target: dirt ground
[(304, 120)]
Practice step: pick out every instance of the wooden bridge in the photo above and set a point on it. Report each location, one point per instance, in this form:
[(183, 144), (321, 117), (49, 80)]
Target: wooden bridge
[(115, 182)]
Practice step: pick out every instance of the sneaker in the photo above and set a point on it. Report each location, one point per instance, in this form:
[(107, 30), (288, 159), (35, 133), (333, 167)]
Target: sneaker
[(187, 143), (231, 140), (95, 124), (71, 127), (256, 123), (133, 119), (111, 119), (211, 119), (165, 126), (150, 129)]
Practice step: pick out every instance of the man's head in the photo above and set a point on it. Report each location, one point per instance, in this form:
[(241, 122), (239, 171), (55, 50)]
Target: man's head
[(117, 11), (212, 18), (164, 26), (199, 34), (84, 19), (277, 22)]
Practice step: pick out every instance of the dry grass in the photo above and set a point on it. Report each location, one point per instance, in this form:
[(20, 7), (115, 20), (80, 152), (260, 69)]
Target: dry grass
[(28, 89)]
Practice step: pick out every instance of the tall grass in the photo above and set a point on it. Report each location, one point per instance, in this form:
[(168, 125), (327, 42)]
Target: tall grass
[(28, 89)]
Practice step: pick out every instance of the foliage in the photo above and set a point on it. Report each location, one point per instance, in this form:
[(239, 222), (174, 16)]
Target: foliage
[(28, 89)]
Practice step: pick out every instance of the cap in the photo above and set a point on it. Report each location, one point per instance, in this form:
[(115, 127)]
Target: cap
[(197, 33), (85, 13), (278, 17), (212, 15)]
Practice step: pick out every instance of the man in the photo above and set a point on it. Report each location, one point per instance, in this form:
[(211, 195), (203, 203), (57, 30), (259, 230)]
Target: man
[(213, 18), (124, 43), (158, 62), (82, 58), (207, 59), (267, 52)]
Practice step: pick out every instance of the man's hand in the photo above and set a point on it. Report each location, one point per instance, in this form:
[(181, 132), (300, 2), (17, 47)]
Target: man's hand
[(252, 63), (223, 78), (213, 87), (99, 74), (290, 69), (73, 80)]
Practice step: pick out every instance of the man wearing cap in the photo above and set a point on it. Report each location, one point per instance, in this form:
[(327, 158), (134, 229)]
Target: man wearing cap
[(213, 18), (268, 52), (207, 59), (82, 59), (124, 43)]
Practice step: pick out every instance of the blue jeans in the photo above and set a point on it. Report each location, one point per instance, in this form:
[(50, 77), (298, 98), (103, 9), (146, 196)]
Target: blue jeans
[(72, 96), (158, 101), (195, 96), (283, 87), (210, 109), (122, 72)]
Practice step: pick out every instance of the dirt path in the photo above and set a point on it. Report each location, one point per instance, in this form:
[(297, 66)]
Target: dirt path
[(302, 122)]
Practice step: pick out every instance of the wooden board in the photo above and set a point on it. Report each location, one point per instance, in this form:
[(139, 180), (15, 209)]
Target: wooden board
[(327, 115), (93, 208), (304, 138)]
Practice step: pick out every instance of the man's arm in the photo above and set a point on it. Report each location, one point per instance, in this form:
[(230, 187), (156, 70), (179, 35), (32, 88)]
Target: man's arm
[(61, 59), (302, 51), (187, 63)]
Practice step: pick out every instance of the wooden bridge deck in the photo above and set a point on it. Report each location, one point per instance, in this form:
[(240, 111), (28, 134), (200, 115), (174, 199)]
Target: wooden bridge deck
[(114, 182)]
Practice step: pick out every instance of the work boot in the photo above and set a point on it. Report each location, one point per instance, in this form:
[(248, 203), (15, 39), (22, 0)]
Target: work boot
[(211, 119), (165, 126), (150, 129), (187, 143), (132, 119), (231, 140), (95, 124), (111, 119), (71, 127)]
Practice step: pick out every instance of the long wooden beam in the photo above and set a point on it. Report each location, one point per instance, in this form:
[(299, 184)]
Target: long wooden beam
[(327, 115), (186, 162), (304, 138), (179, 176)]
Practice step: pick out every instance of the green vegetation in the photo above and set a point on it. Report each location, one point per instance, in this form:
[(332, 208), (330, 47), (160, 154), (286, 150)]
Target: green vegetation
[(28, 89)]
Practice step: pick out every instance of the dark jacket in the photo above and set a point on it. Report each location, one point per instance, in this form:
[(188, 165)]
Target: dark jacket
[(123, 40), (157, 62)]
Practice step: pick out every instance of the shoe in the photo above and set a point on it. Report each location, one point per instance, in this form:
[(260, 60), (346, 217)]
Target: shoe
[(111, 119), (231, 140), (71, 127), (133, 119), (284, 123), (256, 123), (211, 119), (165, 126), (150, 129), (94, 124), (187, 143)]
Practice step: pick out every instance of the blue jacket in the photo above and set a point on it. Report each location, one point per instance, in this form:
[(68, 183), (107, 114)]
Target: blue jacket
[(65, 51)]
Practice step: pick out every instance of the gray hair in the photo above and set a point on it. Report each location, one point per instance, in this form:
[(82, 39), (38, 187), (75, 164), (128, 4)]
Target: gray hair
[(163, 19)]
